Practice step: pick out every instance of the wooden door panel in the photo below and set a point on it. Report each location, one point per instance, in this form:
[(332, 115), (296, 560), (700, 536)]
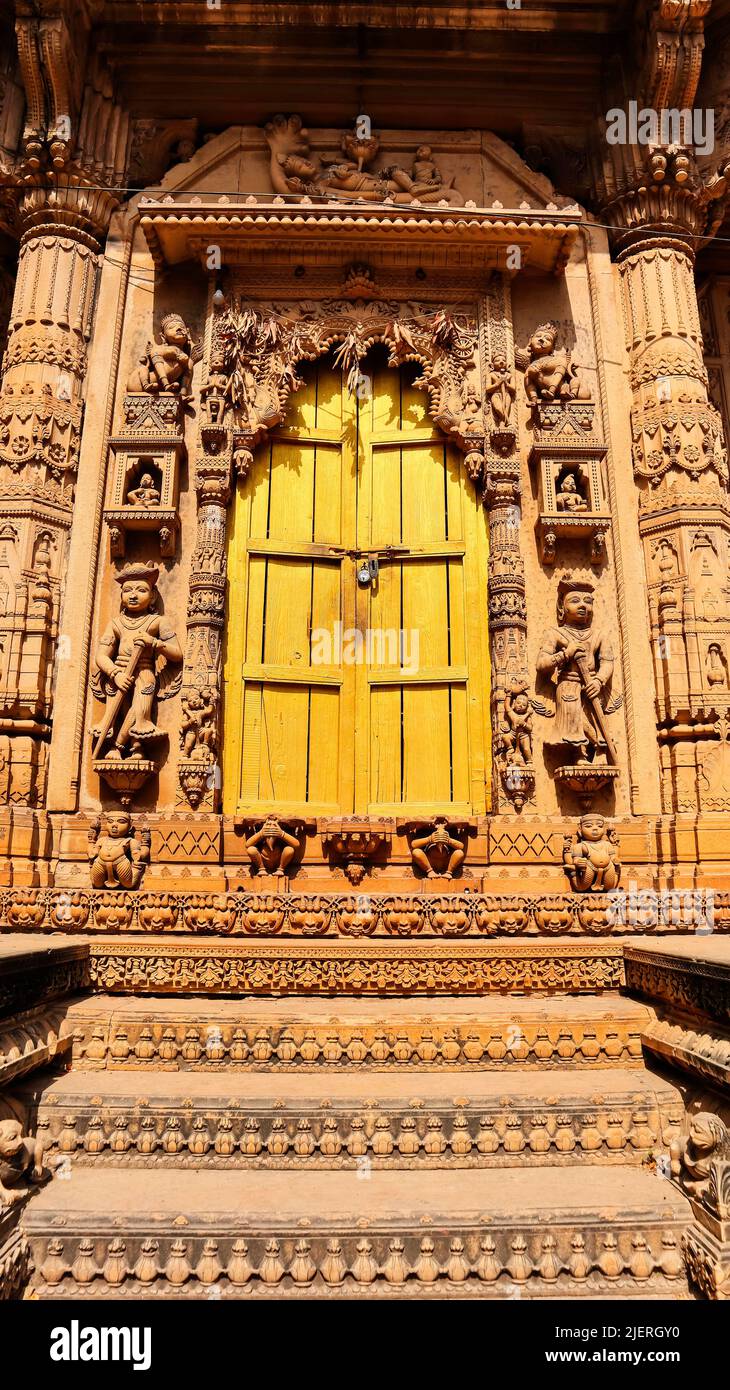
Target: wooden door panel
[(287, 691), (402, 727), (426, 711)]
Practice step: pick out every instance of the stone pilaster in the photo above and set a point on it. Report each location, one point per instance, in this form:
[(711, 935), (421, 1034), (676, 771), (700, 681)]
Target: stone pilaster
[(514, 781)]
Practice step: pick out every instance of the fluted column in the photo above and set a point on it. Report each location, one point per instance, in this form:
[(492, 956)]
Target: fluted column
[(680, 465)]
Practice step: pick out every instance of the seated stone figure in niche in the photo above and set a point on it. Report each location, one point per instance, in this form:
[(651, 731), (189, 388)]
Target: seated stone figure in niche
[(132, 666), (568, 498), (272, 847), (145, 494), (578, 657), (438, 854), (549, 371), (166, 366)]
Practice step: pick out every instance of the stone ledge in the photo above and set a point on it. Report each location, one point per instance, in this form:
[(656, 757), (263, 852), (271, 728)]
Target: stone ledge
[(226, 1035), (35, 969), (129, 1230), (350, 1119), (690, 977), (703, 1055)]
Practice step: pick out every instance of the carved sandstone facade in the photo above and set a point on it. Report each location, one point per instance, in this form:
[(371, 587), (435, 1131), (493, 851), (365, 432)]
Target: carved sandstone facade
[(364, 543)]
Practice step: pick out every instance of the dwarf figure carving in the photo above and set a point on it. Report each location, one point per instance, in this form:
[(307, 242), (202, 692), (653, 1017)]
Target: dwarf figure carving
[(516, 729), (132, 666), (549, 371), (579, 659), (118, 857), (272, 847), (693, 1154), (439, 854), (166, 366), (21, 1155), (590, 856)]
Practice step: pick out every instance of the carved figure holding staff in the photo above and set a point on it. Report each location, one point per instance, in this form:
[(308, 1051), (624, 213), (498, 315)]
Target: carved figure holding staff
[(132, 666), (579, 659)]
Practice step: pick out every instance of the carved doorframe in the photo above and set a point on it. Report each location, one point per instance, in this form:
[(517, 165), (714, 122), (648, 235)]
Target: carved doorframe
[(253, 349)]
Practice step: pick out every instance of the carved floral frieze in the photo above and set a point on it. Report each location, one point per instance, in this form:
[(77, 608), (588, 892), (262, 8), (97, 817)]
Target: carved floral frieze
[(253, 913)]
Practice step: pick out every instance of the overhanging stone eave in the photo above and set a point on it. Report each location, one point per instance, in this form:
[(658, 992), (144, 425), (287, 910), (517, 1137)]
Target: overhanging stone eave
[(451, 238)]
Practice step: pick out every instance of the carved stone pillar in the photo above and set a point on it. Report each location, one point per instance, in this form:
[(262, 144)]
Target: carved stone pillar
[(72, 155), (514, 781), (198, 767), (40, 428), (680, 464)]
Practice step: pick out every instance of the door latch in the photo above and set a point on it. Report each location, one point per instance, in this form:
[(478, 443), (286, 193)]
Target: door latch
[(367, 571)]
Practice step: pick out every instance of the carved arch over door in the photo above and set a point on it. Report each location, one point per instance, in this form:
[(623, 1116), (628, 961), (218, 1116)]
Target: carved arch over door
[(256, 349)]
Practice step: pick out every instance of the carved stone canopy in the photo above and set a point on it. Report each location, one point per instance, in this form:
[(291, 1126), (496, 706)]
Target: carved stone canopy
[(182, 228), (256, 224)]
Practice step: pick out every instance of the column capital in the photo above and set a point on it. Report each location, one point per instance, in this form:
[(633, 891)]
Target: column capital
[(73, 154)]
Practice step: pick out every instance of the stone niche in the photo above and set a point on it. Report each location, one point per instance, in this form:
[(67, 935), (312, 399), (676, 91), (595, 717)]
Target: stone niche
[(568, 457), (145, 470)]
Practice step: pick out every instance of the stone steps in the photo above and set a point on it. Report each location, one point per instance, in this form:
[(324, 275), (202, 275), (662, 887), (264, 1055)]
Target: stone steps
[(226, 1035), (118, 1232), (462, 1116)]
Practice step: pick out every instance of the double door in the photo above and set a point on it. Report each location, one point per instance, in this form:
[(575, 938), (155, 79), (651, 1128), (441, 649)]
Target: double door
[(356, 668)]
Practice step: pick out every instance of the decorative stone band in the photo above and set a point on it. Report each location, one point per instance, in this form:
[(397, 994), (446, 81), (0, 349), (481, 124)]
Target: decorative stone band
[(32, 1040), (216, 1040), (687, 983), (129, 965), (474, 1259), (360, 915), (622, 1129), (704, 1055)]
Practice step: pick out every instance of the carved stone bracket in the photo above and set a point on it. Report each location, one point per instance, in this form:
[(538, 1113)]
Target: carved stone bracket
[(354, 842)]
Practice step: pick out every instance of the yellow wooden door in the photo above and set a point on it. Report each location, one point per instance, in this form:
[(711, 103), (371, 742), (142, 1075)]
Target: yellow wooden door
[(340, 696), (425, 717)]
